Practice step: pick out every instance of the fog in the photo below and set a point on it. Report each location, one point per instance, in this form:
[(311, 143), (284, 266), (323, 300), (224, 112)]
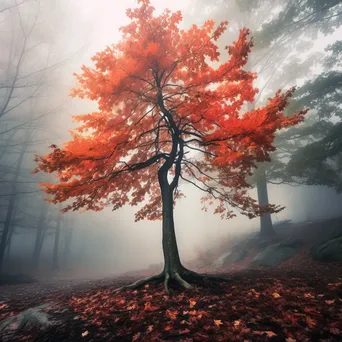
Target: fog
[(65, 35)]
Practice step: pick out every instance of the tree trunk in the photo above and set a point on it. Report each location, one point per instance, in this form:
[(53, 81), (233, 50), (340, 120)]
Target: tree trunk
[(10, 235), (266, 226), (67, 244), (56, 244), (172, 261), (39, 237), (10, 208)]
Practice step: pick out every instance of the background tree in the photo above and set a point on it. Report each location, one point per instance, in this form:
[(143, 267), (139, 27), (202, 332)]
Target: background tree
[(29, 96), (282, 36), (320, 161), (160, 100)]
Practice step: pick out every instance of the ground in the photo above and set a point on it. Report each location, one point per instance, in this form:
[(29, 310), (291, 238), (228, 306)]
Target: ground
[(298, 300)]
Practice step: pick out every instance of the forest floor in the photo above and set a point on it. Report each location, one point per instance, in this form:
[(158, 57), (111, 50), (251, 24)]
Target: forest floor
[(298, 300)]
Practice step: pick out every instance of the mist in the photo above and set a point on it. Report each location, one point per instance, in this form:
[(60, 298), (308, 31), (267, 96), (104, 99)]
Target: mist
[(61, 37)]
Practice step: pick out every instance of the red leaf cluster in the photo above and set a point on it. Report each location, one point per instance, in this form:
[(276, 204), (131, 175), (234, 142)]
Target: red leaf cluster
[(160, 99)]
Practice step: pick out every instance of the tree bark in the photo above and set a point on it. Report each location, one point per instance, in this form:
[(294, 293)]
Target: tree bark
[(172, 261), (266, 226), (56, 243), (67, 244), (10, 208), (39, 236), (10, 235)]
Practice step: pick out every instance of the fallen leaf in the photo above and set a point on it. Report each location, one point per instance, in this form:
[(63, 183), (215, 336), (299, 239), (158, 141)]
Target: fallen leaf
[(308, 295), (167, 328), (185, 331), (236, 323), (85, 333), (192, 303), (335, 331), (150, 328), (310, 322), (290, 339), (329, 302), (218, 322), (172, 314), (268, 333), (136, 336), (276, 295)]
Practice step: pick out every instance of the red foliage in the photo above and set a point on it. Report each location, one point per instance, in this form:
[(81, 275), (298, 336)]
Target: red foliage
[(160, 100)]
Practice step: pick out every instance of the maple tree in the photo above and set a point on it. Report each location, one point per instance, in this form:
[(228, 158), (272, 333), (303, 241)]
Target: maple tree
[(165, 114)]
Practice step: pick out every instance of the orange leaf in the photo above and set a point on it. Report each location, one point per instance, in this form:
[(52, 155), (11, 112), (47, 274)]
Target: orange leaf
[(85, 333), (218, 322), (276, 295), (237, 323), (147, 306), (310, 322), (172, 314), (308, 295), (192, 303), (268, 333)]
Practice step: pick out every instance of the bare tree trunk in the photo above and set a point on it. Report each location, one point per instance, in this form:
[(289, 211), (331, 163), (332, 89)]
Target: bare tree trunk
[(56, 243), (266, 226), (39, 236), (172, 261), (10, 234), (67, 243), (10, 208)]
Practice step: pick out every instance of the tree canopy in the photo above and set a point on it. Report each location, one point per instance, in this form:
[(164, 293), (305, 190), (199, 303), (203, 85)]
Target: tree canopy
[(160, 103), (159, 98)]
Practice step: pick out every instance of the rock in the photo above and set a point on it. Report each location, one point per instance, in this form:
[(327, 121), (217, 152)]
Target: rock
[(277, 253), (231, 257), (330, 250), (28, 319), (291, 242)]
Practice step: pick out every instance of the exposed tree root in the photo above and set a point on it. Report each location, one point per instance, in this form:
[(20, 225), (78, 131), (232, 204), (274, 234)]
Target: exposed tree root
[(205, 276), (182, 282), (183, 277), (141, 282), (166, 283)]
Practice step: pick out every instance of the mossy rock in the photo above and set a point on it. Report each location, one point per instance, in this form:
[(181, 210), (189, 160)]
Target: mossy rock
[(276, 254), (330, 250), (231, 257), (32, 318)]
